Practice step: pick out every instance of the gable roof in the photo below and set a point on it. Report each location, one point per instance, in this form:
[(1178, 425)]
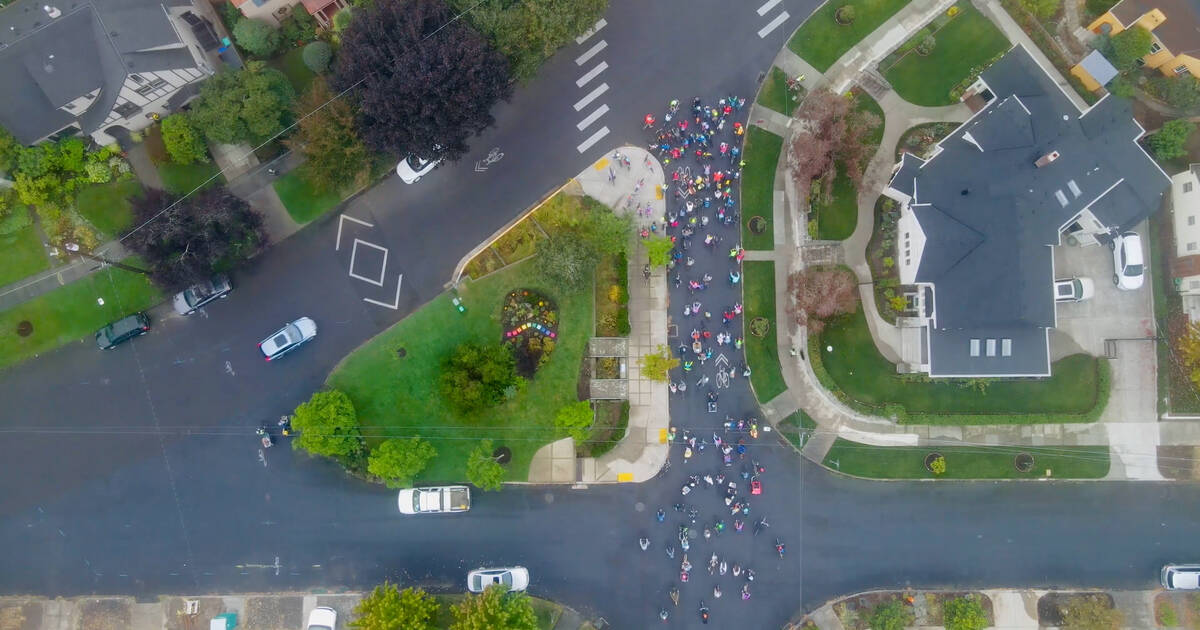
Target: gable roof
[(1180, 33), (990, 214), (47, 62)]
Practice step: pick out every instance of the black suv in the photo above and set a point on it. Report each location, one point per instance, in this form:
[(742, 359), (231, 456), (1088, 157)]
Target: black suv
[(121, 330)]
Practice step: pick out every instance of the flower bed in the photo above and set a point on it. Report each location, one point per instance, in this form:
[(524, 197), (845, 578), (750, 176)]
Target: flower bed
[(530, 322)]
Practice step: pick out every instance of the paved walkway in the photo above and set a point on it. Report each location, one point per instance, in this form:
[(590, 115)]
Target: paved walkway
[(861, 58)]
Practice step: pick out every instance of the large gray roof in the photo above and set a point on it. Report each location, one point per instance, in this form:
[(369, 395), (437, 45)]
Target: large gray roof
[(46, 63), (990, 214)]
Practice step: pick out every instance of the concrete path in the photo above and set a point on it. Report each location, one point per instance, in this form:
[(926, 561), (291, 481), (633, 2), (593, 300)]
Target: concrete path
[(860, 59), (1012, 30)]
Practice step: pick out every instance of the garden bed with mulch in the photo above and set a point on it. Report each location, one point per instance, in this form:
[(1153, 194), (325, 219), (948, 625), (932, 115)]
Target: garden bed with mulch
[(530, 322), (1050, 607), (921, 139), (926, 608), (881, 256)]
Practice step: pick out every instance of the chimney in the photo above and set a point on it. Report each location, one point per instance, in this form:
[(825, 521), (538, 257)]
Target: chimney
[(1046, 159)]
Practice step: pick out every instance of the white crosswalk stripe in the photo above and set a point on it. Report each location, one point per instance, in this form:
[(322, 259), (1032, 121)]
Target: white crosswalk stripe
[(591, 52), (591, 74), (593, 139), (767, 6), (773, 24), (583, 102), (591, 118)]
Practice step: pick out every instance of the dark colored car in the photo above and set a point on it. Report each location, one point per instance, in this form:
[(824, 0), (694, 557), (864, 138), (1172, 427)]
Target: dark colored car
[(122, 330)]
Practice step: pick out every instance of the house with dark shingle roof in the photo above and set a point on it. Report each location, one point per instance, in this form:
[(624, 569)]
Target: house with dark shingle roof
[(1027, 172), (99, 68)]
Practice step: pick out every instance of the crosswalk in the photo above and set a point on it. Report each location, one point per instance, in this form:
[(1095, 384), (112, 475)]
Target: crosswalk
[(592, 81), (775, 21)]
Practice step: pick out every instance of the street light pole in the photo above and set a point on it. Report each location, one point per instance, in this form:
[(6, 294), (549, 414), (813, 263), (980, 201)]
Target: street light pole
[(74, 247)]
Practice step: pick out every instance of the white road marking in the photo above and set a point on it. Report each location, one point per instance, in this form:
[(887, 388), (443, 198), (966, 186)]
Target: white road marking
[(342, 219), (773, 24), (592, 140), (591, 31), (229, 369), (382, 268), (583, 102), (767, 6), (591, 52), (591, 118), (395, 305), (591, 74)]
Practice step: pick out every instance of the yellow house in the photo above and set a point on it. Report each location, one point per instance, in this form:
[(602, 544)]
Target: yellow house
[(1174, 24)]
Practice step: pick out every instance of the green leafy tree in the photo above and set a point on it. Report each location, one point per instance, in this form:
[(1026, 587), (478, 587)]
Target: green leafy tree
[(475, 376), (9, 150), (494, 609), (328, 425), (566, 260), (658, 365), (341, 20), (1170, 141), (35, 161), (257, 37), (1090, 612), (606, 231), (183, 144), (891, 615), (1041, 8), (334, 156), (658, 249), (397, 461), (247, 105), (529, 32), (575, 419), (67, 155), (1182, 91), (964, 613), (389, 608), (1122, 86), (482, 469), (299, 27), (1130, 45), (317, 56)]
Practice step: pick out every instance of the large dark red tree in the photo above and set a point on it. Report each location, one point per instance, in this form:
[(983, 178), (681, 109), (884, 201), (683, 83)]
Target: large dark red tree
[(211, 231), (427, 83)]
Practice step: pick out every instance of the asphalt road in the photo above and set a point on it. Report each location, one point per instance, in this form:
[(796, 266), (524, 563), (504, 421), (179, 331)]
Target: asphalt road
[(136, 470)]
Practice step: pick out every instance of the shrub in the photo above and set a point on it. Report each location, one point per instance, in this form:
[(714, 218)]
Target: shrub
[(316, 56), (566, 260), (184, 145), (1130, 45), (926, 46), (888, 262), (1090, 612), (1169, 142), (397, 461), (257, 37), (891, 615), (845, 14), (1182, 92), (299, 27), (341, 19), (659, 251), (1099, 7), (964, 613), (657, 366), (618, 295), (938, 465), (98, 172), (475, 376), (575, 419), (898, 302)]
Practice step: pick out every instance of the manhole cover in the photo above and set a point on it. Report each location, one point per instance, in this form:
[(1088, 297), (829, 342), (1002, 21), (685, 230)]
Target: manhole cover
[(502, 455), (25, 328), (401, 352), (639, 507)]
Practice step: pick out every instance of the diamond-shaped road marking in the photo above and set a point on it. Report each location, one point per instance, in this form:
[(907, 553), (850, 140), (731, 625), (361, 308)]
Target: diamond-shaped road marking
[(382, 267)]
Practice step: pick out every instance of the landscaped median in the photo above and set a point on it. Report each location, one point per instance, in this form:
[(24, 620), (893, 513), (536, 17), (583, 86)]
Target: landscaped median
[(762, 351), (968, 462), (761, 154), (837, 26)]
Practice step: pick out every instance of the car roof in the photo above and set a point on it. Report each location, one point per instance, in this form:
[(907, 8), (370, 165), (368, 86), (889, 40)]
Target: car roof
[(1185, 577), (1133, 247)]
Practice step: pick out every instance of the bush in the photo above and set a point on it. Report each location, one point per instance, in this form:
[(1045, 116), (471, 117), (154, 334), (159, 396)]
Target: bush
[(658, 249), (98, 172), (891, 615), (1099, 7), (316, 56), (926, 46), (475, 376), (1130, 45), (184, 145), (657, 366), (964, 613), (1169, 142), (257, 37), (1182, 92), (566, 260), (299, 27), (397, 461), (845, 14), (341, 19), (575, 419), (1090, 612), (938, 465)]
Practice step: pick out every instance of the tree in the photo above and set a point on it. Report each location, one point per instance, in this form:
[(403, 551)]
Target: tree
[(257, 37), (475, 376), (317, 56), (964, 613), (658, 249), (247, 105), (482, 469), (495, 608), (1043, 9), (566, 260), (574, 419), (193, 238), (397, 461), (822, 294), (181, 140), (891, 615), (422, 93), (9, 150), (529, 32), (328, 425), (334, 156), (658, 365), (606, 231), (1122, 86), (1130, 45), (1182, 91), (833, 133), (388, 608), (1090, 612), (1170, 141)]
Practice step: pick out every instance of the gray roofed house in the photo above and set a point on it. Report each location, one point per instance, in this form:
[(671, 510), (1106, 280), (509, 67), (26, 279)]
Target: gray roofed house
[(97, 66), (979, 216)]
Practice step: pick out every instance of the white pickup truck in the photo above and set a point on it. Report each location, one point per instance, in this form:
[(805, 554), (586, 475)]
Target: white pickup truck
[(435, 500)]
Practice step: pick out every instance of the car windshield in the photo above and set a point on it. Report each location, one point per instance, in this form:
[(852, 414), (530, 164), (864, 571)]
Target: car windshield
[(504, 578), (415, 163), (416, 496), (1133, 270)]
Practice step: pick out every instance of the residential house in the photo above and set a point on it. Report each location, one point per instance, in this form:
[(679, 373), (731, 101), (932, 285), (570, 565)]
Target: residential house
[(1027, 172), (100, 68), (1175, 25), (1185, 221), (272, 11)]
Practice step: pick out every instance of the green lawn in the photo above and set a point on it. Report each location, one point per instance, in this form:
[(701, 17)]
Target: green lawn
[(291, 64), (797, 428), (968, 40), (967, 462), (775, 93), (397, 396), (837, 219), (762, 353), (301, 201), (107, 206), (761, 154), (71, 312), (21, 254), (180, 179), (821, 40), (857, 368)]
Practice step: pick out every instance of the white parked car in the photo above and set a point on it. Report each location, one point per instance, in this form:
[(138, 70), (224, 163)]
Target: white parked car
[(412, 168), (190, 300), (288, 338), (1180, 577), (1073, 289), (511, 578), (435, 500), (322, 618), (1128, 263)]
